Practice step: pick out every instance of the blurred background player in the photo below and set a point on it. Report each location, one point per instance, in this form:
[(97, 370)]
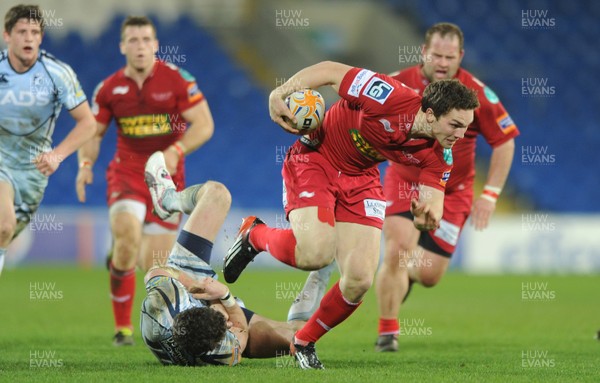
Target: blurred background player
[(152, 102), (332, 191), (34, 86), (188, 317), (411, 256)]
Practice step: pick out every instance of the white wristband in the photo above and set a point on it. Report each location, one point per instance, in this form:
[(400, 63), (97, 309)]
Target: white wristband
[(493, 189), (228, 300), (488, 198)]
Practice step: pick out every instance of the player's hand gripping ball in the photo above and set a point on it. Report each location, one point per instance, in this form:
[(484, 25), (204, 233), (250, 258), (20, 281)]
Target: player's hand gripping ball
[(308, 106)]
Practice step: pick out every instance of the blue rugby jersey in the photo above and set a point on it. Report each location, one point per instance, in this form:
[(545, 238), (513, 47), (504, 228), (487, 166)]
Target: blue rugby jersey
[(30, 103)]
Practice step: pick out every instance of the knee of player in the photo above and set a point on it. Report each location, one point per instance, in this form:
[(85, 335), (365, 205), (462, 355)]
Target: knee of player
[(315, 254), (430, 278), (218, 192), (354, 288), (126, 233)]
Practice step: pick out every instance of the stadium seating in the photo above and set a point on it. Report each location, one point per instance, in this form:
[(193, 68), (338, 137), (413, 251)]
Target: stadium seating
[(501, 53), (244, 151), (241, 154)]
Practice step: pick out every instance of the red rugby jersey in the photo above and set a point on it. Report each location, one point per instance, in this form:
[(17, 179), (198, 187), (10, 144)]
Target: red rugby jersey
[(148, 119), (371, 124), (491, 120)]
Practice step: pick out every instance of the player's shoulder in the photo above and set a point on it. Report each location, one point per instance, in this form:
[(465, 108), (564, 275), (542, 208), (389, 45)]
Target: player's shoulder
[(469, 79), (54, 65), (171, 70), (485, 94), (116, 80)]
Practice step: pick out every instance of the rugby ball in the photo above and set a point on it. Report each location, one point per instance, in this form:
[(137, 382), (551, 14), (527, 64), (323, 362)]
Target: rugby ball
[(308, 106)]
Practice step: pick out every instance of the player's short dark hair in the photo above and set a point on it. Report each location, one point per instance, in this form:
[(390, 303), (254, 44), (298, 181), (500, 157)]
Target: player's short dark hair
[(444, 95), (199, 330), (136, 21), (445, 29), (21, 11)]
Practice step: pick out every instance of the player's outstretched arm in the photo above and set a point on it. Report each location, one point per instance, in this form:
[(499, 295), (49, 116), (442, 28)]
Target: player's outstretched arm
[(85, 129), (500, 164), (200, 130), (428, 209), (86, 157), (315, 76)]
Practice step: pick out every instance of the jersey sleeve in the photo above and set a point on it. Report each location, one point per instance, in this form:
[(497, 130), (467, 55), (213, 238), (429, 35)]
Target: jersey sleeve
[(388, 105), (100, 105), (368, 89), (436, 167), (494, 122), (70, 93), (188, 92)]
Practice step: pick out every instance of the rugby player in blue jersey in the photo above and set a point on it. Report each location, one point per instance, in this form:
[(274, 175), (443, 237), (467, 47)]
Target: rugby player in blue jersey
[(34, 86), (188, 317)]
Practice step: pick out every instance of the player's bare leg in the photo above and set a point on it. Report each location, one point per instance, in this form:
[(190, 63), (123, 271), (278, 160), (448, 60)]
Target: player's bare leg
[(308, 245), (8, 219), (155, 249), (392, 281), (427, 267), (268, 338), (207, 204), (357, 257), (212, 205), (126, 229), (315, 233)]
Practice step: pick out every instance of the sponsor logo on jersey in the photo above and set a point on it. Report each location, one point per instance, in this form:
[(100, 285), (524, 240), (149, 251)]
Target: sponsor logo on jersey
[(359, 82), (23, 98), (145, 125), (374, 208), (448, 156), (387, 126), (490, 95), (120, 89), (506, 123), (164, 96), (448, 232), (187, 76), (365, 147), (194, 93), (445, 178), (3, 79), (306, 194), (378, 90), (410, 158)]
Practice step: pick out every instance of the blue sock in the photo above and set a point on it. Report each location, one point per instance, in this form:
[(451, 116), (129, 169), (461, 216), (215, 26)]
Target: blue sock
[(196, 245)]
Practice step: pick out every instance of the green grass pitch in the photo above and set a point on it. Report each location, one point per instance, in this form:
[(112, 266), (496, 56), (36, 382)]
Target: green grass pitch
[(56, 326)]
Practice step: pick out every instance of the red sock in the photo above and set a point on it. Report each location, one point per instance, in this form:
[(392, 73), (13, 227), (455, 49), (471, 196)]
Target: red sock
[(122, 292), (281, 243), (389, 326), (334, 309)]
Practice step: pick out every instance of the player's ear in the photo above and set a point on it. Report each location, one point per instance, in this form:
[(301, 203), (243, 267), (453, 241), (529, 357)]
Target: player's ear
[(155, 46), (122, 47), (430, 116)]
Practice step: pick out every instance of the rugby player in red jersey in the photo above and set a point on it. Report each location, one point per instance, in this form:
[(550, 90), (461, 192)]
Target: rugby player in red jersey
[(152, 102), (333, 196), (411, 256)]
